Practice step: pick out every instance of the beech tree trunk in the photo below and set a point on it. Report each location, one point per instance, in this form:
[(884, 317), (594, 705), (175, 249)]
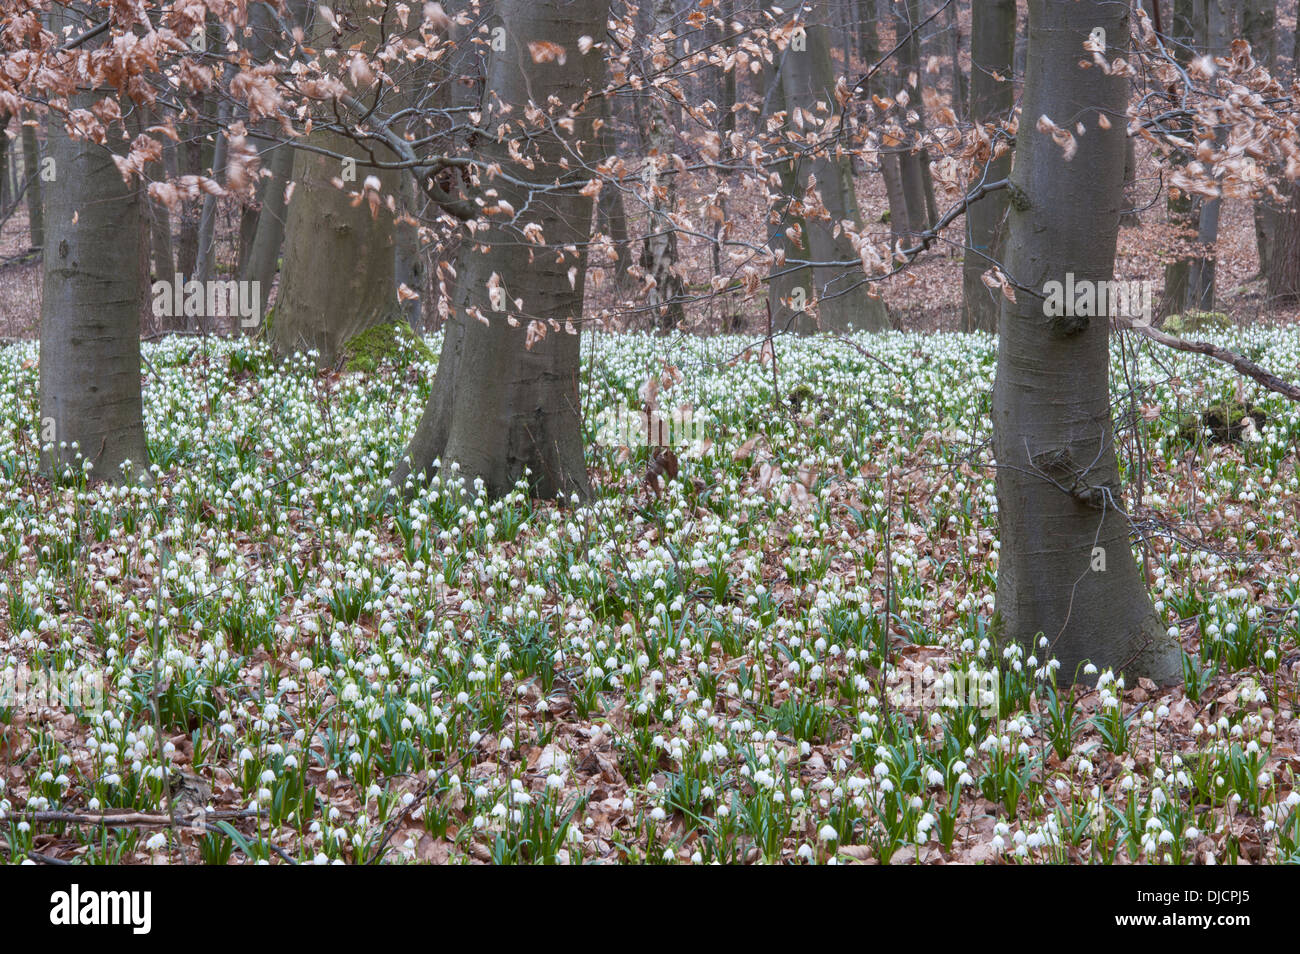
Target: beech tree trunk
[(915, 162), (1284, 256), (1212, 26), (90, 309), (35, 186), (806, 77), (339, 273), (263, 257), (611, 213), (992, 47), (659, 250), (1178, 207), (1259, 28), (338, 276), (260, 261), (500, 409), (1066, 570)]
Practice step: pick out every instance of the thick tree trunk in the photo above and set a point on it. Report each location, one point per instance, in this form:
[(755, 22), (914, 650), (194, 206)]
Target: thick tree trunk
[(35, 185), (992, 46), (1066, 570), (806, 77), (659, 250), (499, 408), (338, 276), (90, 310)]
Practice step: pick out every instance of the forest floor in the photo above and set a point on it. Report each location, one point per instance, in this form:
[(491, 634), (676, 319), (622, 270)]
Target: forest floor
[(697, 671)]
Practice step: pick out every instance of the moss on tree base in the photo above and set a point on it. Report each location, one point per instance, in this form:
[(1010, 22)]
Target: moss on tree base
[(390, 341)]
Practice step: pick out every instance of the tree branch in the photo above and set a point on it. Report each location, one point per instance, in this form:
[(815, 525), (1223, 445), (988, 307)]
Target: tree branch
[(1239, 363)]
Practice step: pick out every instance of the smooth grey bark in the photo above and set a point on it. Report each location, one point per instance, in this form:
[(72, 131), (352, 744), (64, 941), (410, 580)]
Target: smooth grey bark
[(35, 186), (90, 309), (960, 85), (189, 156), (499, 408), (1130, 218), (6, 189), (1284, 256), (893, 177), (408, 265), (890, 173), (666, 291), (338, 276), (611, 213), (806, 77), (1213, 19), (1178, 208), (992, 46), (262, 261), (1058, 481), (918, 184), (1259, 29)]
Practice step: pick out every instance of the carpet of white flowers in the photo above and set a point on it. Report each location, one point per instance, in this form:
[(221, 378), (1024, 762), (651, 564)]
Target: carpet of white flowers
[(692, 674)]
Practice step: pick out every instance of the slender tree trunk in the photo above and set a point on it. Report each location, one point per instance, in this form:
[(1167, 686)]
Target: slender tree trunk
[(189, 154), (960, 86), (263, 258), (35, 185), (501, 409), (807, 76), (90, 310), (1178, 206), (611, 215), (992, 46), (899, 227), (1259, 28), (260, 262), (1284, 255), (1130, 218), (659, 251), (918, 187), (205, 263), (1213, 21), (5, 191), (409, 263), (869, 47), (1066, 571)]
